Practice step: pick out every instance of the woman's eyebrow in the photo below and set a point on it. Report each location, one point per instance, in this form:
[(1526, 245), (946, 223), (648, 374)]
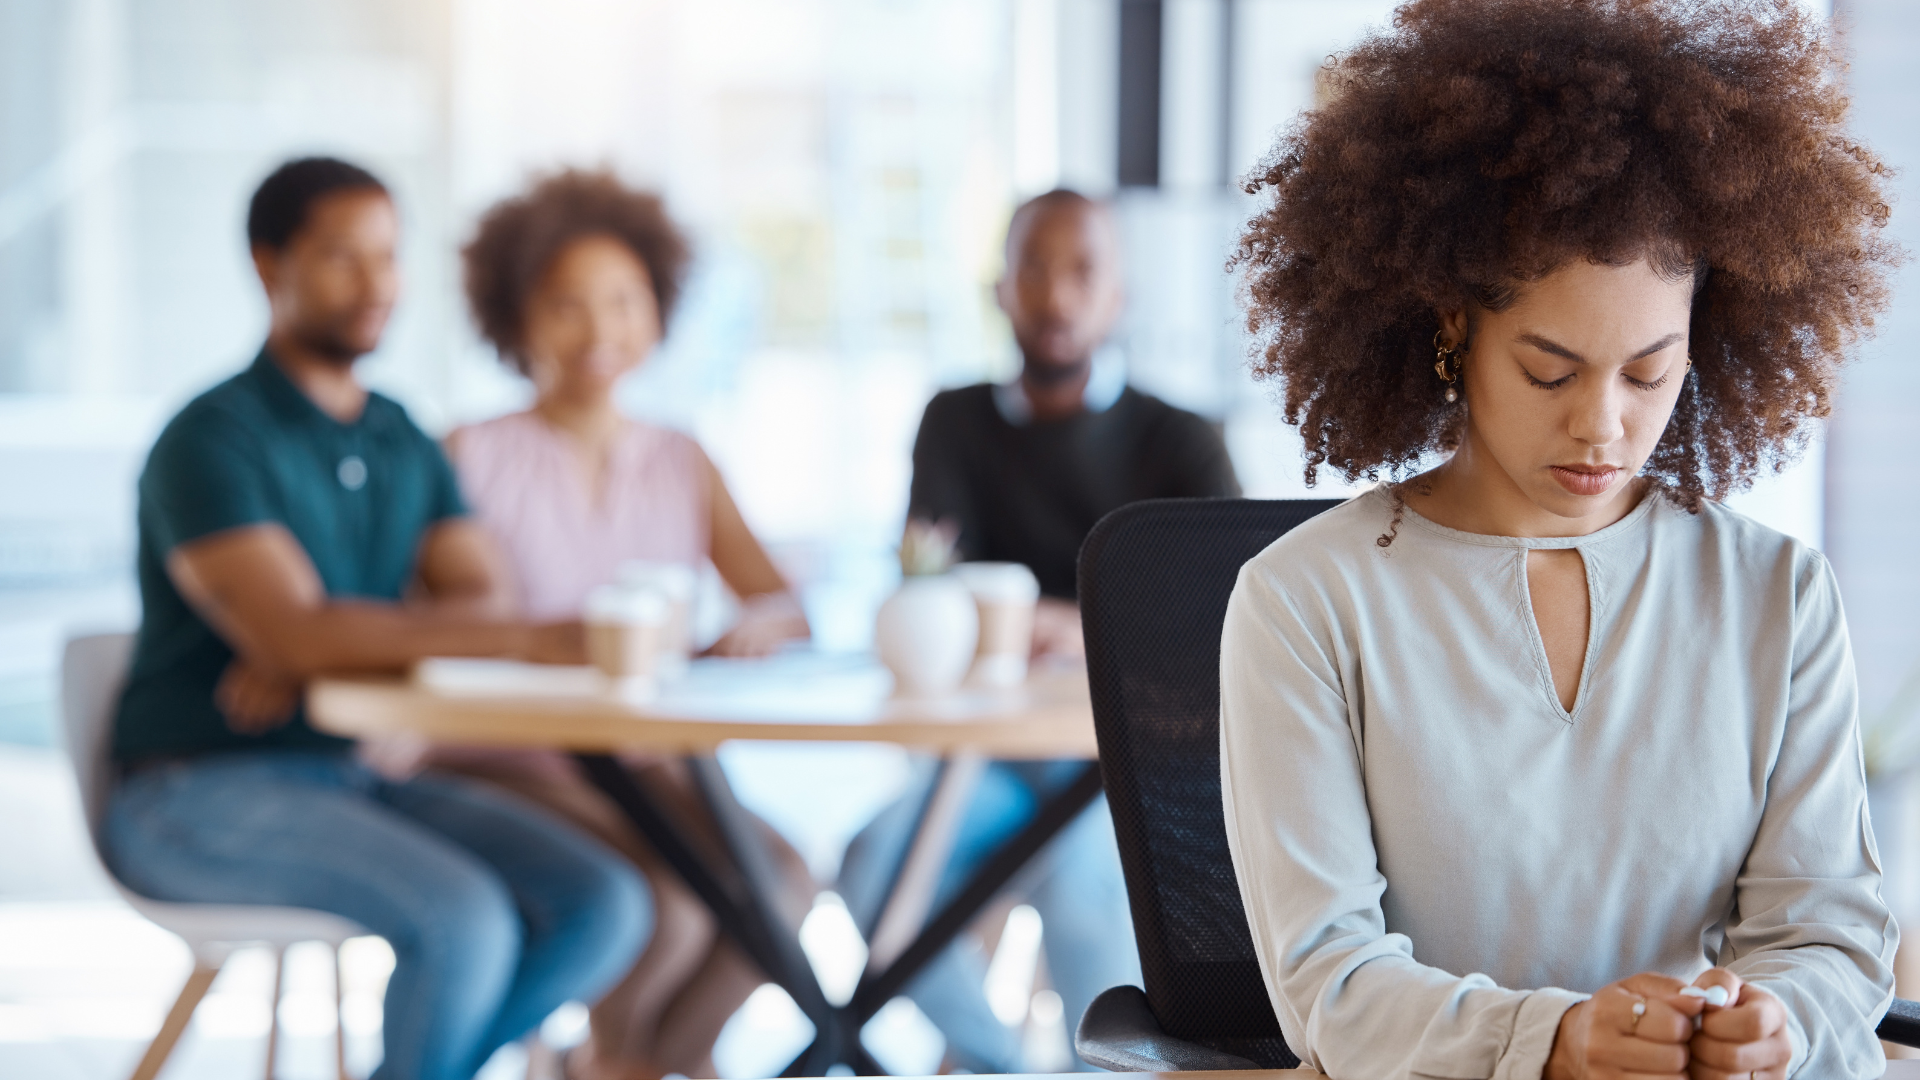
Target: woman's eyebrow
[(1670, 339), (1547, 346)]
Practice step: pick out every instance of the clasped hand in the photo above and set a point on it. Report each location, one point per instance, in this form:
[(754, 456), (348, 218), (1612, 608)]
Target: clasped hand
[(256, 699), (1602, 1039)]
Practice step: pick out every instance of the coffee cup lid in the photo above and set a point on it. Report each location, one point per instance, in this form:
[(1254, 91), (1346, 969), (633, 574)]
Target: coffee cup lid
[(675, 580), (627, 604), (1001, 582)]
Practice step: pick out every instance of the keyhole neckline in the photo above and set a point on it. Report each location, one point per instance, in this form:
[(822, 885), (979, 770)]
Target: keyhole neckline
[(1635, 519), (1541, 657)]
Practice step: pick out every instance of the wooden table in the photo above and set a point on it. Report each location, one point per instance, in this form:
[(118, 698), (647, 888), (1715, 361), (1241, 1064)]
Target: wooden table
[(797, 697)]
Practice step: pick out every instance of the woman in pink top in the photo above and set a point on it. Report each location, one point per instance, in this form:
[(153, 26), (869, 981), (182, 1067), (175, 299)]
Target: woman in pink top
[(573, 283)]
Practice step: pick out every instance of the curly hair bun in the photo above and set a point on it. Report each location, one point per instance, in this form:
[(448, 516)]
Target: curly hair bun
[(519, 238), (1476, 145)]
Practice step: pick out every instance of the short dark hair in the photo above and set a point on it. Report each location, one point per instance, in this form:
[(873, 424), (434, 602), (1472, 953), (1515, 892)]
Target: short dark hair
[(520, 237), (1057, 199), (281, 203)]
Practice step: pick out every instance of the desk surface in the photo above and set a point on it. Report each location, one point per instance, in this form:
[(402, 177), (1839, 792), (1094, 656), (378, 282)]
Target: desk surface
[(797, 697)]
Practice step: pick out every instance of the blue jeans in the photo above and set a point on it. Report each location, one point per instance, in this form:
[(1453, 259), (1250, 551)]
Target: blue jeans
[(1074, 883), (497, 911)]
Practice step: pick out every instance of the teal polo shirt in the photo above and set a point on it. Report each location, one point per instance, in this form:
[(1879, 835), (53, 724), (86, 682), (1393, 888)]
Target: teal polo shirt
[(359, 497)]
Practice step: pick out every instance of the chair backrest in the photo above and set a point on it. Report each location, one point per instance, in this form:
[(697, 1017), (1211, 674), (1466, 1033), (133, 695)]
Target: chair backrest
[(1154, 581), (92, 671)]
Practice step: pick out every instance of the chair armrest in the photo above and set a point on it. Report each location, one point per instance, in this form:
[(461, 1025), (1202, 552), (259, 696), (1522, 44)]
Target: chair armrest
[(1902, 1023), (1119, 1033)]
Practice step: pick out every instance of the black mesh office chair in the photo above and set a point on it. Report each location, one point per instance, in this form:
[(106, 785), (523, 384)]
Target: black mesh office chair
[(1154, 582)]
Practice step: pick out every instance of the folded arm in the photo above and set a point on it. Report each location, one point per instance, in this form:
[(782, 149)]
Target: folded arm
[(258, 589)]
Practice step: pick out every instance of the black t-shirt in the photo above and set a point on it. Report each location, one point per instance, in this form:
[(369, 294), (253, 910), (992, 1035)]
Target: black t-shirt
[(1030, 493)]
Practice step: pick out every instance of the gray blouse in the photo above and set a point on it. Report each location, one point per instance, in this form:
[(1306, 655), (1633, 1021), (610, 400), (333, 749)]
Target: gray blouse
[(1438, 860)]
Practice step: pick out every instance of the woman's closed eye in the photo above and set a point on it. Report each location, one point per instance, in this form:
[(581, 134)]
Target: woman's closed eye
[(1563, 380)]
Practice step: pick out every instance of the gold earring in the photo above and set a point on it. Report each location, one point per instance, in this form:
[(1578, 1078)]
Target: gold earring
[(1447, 364)]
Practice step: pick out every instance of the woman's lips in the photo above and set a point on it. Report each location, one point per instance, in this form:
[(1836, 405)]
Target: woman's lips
[(1585, 479)]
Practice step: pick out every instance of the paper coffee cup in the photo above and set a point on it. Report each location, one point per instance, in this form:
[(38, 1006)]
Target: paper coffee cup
[(1005, 594), (675, 584), (624, 628)]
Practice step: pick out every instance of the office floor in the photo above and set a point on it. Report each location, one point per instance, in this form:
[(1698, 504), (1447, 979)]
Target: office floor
[(85, 982)]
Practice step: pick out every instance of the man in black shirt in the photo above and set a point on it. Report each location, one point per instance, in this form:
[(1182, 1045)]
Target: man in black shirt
[(1025, 468)]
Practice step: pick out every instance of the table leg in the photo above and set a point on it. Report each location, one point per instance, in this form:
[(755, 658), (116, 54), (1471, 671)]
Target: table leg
[(836, 1031), (911, 895), (717, 887), (741, 898), (878, 988), (739, 892), (740, 834)]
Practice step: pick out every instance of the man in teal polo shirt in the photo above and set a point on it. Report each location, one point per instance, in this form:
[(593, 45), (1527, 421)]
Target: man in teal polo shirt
[(292, 523)]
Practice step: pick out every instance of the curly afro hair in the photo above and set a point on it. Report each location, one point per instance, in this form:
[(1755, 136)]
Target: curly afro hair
[(520, 237), (1477, 144)]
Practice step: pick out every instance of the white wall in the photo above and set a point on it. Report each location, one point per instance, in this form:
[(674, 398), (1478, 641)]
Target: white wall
[(804, 348)]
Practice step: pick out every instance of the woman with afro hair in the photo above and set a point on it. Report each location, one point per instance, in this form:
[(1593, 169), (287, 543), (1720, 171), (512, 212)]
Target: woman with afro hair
[(1537, 760)]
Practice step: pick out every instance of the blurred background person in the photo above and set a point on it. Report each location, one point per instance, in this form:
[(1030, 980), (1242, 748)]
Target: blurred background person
[(284, 514), (574, 282), (1024, 469)]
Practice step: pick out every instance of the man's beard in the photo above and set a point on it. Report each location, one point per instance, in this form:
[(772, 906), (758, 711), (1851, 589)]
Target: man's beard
[(332, 346), (1047, 374)]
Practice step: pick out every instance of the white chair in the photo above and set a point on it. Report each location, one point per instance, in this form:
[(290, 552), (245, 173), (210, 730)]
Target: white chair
[(92, 673)]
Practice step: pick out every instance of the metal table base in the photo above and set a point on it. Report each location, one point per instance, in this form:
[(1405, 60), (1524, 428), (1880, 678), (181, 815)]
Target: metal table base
[(739, 891)]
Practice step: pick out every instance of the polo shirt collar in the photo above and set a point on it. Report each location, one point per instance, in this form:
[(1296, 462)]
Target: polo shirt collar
[(291, 403), (1105, 383)]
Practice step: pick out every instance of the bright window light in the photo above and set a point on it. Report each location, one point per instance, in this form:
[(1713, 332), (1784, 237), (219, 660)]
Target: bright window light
[(1015, 962), (834, 947)]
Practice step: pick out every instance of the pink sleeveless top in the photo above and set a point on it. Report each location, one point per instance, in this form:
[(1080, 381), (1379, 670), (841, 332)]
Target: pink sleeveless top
[(527, 486)]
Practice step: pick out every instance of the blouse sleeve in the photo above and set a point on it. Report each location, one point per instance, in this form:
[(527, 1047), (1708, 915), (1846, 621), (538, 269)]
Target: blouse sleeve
[(1809, 923), (1350, 997)]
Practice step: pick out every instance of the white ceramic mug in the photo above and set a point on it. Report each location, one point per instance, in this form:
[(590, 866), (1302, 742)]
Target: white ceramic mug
[(924, 633)]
